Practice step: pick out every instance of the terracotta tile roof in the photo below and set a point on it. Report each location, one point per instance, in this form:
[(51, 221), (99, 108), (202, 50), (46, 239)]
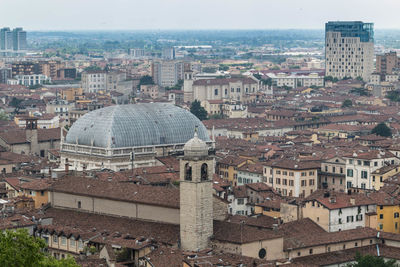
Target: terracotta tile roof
[(37, 184), (337, 200), (19, 136), (152, 195), (306, 240), (293, 164), (345, 256), (252, 168), (172, 257), (258, 221), (259, 187), (165, 233), (15, 221), (206, 82), (232, 161), (241, 233)]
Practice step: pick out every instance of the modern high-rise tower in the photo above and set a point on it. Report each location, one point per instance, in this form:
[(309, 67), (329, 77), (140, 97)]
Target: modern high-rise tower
[(6, 40), (349, 49), (19, 39)]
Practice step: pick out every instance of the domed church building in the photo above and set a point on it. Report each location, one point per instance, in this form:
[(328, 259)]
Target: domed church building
[(125, 136)]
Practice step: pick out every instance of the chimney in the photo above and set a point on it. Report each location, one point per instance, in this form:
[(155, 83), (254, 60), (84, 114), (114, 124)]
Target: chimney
[(352, 201), (332, 199)]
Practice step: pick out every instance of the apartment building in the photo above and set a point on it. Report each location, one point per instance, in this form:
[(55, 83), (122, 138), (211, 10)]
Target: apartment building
[(335, 211), (292, 177), (361, 166), (167, 72), (332, 175)]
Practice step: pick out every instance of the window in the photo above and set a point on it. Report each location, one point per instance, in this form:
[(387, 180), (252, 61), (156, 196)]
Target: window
[(355, 244), (271, 180), (240, 201), (291, 173), (42, 193), (299, 254), (344, 246), (311, 251), (63, 241), (350, 219), (262, 253), (311, 182), (278, 172), (350, 172), (215, 91), (55, 239), (366, 163), (278, 181), (238, 89), (284, 181), (396, 215), (204, 172), (72, 241), (380, 216), (80, 244), (188, 172), (311, 173), (303, 173), (340, 221), (364, 174), (291, 183), (79, 205), (303, 183)]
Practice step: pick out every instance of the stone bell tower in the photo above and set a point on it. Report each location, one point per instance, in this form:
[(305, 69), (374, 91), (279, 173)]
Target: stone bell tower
[(196, 197)]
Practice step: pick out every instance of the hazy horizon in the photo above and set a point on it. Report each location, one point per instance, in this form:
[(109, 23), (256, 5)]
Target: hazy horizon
[(128, 15)]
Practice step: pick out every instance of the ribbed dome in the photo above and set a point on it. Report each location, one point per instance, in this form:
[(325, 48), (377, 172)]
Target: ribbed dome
[(135, 125)]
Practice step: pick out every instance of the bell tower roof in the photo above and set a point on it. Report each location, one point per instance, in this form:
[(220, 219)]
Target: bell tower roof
[(195, 147)]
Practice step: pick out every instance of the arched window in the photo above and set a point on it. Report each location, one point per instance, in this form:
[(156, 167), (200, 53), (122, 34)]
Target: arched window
[(204, 172), (188, 172)]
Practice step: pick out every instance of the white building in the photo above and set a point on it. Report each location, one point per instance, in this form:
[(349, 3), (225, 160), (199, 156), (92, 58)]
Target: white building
[(339, 211), (226, 89), (360, 166), (293, 80), (29, 80), (167, 73), (94, 81), (250, 173), (238, 201)]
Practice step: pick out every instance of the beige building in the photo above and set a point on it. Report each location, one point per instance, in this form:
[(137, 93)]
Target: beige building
[(291, 177)]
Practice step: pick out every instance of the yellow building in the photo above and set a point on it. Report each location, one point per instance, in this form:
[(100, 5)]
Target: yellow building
[(72, 94), (228, 167), (38, 190), (381, 174), (270, 208), (388, 211)]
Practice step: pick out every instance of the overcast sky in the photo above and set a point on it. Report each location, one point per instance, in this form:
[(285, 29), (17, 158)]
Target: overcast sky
[(191, 14)]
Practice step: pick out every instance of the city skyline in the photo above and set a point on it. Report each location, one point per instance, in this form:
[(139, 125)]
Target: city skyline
[(184, 15)]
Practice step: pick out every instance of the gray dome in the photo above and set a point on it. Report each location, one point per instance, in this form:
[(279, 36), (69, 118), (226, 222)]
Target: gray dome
[(143, 124)]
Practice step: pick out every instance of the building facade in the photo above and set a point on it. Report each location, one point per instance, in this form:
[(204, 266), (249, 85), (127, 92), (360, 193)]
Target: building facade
[(349, 49)]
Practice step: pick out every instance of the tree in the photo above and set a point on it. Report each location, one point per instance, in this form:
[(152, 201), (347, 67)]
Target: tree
[(18, 248), (371, 261), (146, 79), (347, 103), (198, 110), (382, 129), (4, 116), (209, 70)]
